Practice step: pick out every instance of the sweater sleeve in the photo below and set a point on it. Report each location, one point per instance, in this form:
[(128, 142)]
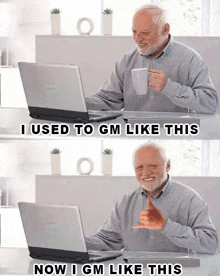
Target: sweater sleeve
[(109, 236), (199, 94), (199, 235), (110, 95)]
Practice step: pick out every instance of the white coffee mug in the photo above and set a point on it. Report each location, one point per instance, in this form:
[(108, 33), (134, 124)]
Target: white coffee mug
[(140, 80)]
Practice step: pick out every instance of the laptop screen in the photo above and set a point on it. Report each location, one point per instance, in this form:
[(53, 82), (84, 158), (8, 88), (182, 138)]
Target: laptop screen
[(53, 86), (52, 226)]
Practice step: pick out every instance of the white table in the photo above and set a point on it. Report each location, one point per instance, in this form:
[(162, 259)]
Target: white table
[(17, 262), (12, 118), (12, 233)]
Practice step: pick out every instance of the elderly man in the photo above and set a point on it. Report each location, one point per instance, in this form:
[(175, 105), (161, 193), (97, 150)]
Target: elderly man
[(179, 78), (161, 215)]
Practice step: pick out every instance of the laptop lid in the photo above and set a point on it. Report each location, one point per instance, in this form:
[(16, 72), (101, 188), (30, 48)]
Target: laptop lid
[(53, 231), (53, 91), (53, 86)]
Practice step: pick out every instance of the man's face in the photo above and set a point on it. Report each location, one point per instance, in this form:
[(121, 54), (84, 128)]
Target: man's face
[(148, 36), (150, 168)]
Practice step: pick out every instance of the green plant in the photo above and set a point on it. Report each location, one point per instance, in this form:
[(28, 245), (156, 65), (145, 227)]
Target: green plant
[(55, 11), (107, 151), (107, 11), (55, 151)]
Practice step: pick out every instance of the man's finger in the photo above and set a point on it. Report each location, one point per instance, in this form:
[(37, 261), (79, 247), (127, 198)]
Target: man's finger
[(137, 226), (154, 71), (153, 80), (150, 204)]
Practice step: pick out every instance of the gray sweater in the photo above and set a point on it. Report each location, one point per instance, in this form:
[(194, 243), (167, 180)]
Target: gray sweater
[(188, 226), (188, 87)]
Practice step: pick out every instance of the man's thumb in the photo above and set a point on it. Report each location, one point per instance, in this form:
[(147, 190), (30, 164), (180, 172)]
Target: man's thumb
[(150, 204)]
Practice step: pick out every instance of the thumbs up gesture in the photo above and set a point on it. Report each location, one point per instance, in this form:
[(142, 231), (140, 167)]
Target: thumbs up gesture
[(151, 218)]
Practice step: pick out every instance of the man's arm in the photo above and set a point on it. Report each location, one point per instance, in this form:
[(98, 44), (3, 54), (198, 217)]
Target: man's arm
[(199, 94), (110, 95), (199, 235), (200, 240), (109, 236)]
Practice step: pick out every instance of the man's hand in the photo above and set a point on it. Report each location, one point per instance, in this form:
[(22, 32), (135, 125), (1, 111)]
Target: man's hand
[(151, 218), (157, 80)]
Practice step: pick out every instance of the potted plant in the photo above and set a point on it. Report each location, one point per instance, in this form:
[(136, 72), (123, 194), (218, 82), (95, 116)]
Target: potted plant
[(107, 21), (55, 161), (55, 21), (107, 161)]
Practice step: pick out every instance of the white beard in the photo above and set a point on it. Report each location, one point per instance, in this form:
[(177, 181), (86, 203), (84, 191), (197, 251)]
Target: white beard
[(150, 188), (151, 49), (148, 52)]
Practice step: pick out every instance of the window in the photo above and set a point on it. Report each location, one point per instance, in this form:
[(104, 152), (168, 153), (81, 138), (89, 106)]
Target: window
[(186, 17), (188, 157), (185, 155), (214, 159), (22, 160)]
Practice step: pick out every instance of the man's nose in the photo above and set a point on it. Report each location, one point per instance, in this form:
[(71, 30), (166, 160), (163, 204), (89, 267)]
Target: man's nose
[(146, 170), (138, 36)]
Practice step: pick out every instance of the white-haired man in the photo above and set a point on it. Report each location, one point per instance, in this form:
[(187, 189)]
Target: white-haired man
[(160, 216), (179, 78)]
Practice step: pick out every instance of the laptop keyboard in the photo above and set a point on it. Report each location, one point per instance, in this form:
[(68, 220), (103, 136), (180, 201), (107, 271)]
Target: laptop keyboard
[(93, 115), (93, 255), (98, 116)]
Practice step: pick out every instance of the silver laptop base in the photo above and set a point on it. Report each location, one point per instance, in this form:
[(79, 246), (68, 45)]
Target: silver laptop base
[(58, 255), (58, 115)]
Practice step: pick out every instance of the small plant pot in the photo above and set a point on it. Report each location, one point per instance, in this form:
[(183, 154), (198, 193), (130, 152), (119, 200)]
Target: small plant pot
[(55, 24), (107, 24), (55, 163), (107, 164)]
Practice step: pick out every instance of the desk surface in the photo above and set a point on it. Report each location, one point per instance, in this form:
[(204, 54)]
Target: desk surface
[(16, 261), (12, 118)]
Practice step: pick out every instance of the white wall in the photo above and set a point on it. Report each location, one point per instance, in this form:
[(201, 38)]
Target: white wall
[(21, 160), (27, 18), (21, 20)]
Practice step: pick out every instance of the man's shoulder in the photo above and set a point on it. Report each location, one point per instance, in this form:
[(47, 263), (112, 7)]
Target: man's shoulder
[(184, 50), (135, 192), (183, 190), (131, 195), (133, 54), (130, 60)]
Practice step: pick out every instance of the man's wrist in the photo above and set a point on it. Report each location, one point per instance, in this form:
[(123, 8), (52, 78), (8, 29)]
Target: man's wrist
[(168, 81), (164, 224)]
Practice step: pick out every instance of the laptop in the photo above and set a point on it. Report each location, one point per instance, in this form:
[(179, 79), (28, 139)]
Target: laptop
[(55, 93), (55, 233)]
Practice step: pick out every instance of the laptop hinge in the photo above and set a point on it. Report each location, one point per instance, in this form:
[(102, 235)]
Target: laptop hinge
[(59, 115), (58, 255)]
